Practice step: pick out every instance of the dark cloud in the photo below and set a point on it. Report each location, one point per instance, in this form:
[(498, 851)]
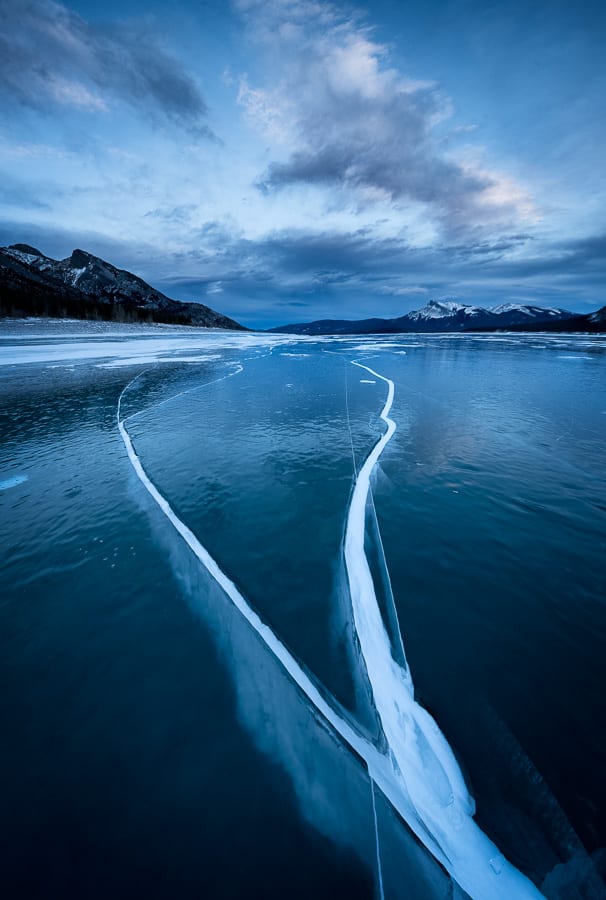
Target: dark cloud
[(582, 259), (176, 215), (298, 276), (59, 242), (19, 196), (588, 252), (383, 144), (354, 123), (482, 251), (342, 257), (357, 274), (50, 56)]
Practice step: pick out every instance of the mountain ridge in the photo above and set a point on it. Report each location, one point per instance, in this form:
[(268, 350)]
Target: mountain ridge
[(452, 316), (84, 286)]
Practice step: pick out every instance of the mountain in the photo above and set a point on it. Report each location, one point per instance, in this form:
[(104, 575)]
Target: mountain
[(599, 318), (84, 286), (451, 316)]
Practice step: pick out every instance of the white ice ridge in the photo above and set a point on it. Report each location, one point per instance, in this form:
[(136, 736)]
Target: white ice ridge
[(446, 829), (423, 760)]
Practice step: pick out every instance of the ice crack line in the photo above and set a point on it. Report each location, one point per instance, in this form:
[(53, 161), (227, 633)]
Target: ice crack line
[(238, 368), (418, 769), (385, 416), (423, 760)]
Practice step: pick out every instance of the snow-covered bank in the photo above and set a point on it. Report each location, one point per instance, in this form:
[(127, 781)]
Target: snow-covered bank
[(116, 345)]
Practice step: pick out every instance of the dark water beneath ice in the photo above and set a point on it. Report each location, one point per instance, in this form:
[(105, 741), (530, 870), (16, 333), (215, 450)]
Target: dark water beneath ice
[(151, 744)]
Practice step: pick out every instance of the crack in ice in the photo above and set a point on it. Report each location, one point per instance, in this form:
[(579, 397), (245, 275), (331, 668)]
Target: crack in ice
[(418, 773)]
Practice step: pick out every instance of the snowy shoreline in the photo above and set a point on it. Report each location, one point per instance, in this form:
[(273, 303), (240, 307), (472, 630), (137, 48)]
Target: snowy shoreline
[(88, 327)]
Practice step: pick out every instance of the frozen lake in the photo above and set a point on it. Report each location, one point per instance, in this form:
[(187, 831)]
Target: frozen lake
[(302, 617)]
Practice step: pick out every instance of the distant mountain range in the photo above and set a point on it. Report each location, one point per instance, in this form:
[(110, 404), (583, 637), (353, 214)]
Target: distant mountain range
[(449, 316), (84, 286)]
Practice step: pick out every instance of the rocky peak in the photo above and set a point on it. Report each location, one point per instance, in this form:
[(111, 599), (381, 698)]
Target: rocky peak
[(84, 286), (26, 248), (80, 259)]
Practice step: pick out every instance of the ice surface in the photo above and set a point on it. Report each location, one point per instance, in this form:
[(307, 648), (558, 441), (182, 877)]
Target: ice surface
[(381, 892), (417, 771), (235, 371), (141, 349), (151, 360), (429, 776), (7, 483), (373, 346)]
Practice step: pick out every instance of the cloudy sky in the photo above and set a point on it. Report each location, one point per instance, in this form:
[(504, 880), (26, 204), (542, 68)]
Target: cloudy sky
[(286, 160)]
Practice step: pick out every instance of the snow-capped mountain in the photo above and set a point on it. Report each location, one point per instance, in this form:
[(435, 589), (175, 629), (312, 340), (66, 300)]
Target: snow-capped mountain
[(453, 313), (449, 316), (443, 309), (598, 319), (536, 312), (84, 286)]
